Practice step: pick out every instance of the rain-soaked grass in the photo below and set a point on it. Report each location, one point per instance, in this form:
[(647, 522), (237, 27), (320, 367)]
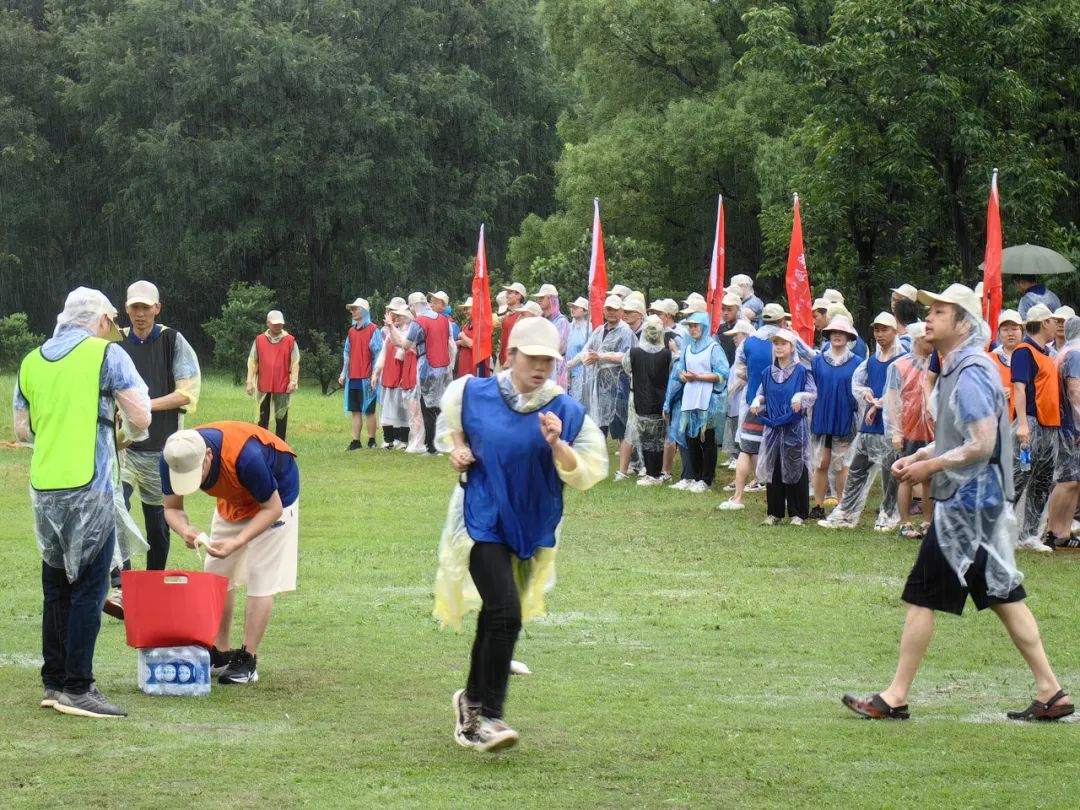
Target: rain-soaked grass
[(690, 659)]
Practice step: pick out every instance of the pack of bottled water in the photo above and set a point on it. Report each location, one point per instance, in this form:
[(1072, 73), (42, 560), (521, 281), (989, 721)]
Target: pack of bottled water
[(174, 671)]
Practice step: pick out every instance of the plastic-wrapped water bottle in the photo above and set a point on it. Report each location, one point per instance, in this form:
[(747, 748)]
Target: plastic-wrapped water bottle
[(1025, 459), (175, 671)]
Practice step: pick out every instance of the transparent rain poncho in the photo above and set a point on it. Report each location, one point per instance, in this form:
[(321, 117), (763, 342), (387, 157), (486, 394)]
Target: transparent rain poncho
[(647, 431), (842, 446), (1068, 363), (907, 412), (600, 387), (972, 495), (575, 342), (786, 434)]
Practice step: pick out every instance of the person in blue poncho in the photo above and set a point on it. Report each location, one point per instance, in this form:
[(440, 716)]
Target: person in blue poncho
[(362, 346), (783, 400), (694, 397), (516, 439)]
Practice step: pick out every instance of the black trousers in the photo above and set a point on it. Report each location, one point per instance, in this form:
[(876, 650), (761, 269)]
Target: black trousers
[(795, 496), (497, 628), (702, 453), (430, 415), (654, 462), (281, 423), (395, 434), (157, 537)]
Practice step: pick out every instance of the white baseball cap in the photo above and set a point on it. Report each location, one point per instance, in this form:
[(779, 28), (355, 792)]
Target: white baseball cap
[(84, 304), (442, 296), (731, 300), (786, 335), (907, 291), (958, 294), (665, 305), (397, 302), (884, 319), (695, 303), (143, 292), (742, 280), (536, 337), (546, 290), (1061, 313), (821, 303), (833, 296), (363, 304), (1038, 314), (634, 303), (620, 290), (1010, 316), (741, 327), (417, 298), (773, 312), (275, 316), (840, 324), (467, 302), (580, 303), (500, 303), (613, 302), (184, 453), (916, 330), (517, 287), (532, 308)]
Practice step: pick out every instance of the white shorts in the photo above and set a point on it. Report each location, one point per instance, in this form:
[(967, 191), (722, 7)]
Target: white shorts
[(266, 565)]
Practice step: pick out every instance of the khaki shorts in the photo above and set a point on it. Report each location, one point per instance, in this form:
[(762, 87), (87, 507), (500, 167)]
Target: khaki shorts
[(142, 471), (266, 565)]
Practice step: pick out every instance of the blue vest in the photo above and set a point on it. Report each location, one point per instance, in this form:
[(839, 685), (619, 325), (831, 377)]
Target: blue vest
[(513, 494), (778, 410), (834, 411), (758, 355), (877, 374)]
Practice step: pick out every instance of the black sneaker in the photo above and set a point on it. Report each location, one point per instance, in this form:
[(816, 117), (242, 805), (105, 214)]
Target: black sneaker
[(1050, 540), (241, 668), (219, 661), (355, 444), (817, 513), (370, 444)]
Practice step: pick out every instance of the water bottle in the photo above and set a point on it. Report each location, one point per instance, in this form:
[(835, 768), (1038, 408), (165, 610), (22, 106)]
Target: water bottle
[(181, 671), (1025, 459)]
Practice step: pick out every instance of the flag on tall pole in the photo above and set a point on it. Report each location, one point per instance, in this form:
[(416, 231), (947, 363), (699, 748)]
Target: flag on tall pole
[(597, 270), (714, 295), (481, 311), (992, 259), (798, 283)]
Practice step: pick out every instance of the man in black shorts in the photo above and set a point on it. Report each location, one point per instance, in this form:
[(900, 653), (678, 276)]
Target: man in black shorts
[(968, 550)]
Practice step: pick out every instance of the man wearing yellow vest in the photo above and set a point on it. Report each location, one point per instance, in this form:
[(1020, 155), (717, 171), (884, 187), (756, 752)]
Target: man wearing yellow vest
[(65, 403)]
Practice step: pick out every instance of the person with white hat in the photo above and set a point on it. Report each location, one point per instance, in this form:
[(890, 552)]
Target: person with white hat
[(170, 368), (620, 290), (1061, 314), (531, 309), (743, 285), (65, 402), (906, 311), (363, 344), (821, 321), (872, 450), (905, 292), (730, 313), (1037, 397), (1062, 504), (395, 370), (909, 426), (465, 364), (649, 365), (968, 548), (1010, 333), (500, 303), (575, 342), (738, 333), (785, 393), (274, 370), (515, 299), (548, 299), (630, 461), (255, 530), (832, 427), (1033, 292), (516, 440), (602, 358), (858, 346)]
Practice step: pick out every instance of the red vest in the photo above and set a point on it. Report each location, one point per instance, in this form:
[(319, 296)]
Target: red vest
[(360, 352), (465, 364), (436, 339), (275, 359), (399, 373), (234, 502), (504, 339)]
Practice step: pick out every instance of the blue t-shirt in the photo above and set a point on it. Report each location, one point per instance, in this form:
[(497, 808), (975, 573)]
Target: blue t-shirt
[(978, 396), (1024, 370), (261, 470), (1070, 367)]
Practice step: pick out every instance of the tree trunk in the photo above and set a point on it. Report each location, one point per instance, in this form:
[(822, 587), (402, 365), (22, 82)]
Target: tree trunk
[(953, 171)]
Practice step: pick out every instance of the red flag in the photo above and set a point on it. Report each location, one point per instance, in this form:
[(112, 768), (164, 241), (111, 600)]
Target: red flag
[(992, 260), (798, 283), (714, 296), (481, 311), (597, 269)]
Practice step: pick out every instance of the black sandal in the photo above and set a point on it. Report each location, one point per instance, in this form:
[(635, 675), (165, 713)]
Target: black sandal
[(1051, 710), (875, 708)]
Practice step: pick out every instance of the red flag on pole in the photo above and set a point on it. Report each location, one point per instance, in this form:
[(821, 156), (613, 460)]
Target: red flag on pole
[(798, 283), (597, 270), (992, 259), (714, 296), (481, 311)]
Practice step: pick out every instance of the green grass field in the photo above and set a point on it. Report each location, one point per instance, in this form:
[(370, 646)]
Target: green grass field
[(690, 659)]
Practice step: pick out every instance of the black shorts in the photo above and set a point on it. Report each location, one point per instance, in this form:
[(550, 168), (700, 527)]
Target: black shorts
[(933, 583), (356, 402)]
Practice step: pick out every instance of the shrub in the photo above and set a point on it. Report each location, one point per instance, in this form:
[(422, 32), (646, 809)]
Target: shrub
[(16, 340), (242, 318)]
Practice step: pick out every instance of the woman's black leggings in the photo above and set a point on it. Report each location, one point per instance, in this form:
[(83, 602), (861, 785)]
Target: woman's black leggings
[(491, 567), (702, 454)]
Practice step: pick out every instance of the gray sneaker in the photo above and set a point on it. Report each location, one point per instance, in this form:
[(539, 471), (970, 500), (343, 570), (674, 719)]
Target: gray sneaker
[(493, 735), (466, 717), (88, 704), (50, 698)]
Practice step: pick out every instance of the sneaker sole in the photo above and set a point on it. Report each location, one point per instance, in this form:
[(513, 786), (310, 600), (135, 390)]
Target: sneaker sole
[(47, 703), (237, 682), (75, 711), (508, 741), (113, 609), (459, 723)]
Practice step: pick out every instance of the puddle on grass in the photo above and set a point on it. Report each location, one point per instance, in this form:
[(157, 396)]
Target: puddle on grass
[(28, 660), (869, 579), (998, 716), (559, 618)]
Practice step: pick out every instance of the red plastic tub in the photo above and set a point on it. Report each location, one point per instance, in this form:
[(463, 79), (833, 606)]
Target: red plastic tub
[(172, 608)]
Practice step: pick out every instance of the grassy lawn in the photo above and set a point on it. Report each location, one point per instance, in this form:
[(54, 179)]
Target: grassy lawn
[(691, 659)]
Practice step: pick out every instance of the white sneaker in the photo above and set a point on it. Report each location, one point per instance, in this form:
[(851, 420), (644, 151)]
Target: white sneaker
[(648, 481), (839, 523), (734, 463), (620, 475), (519, 668), (491, 735), (641, 472), (1034, 544), (698, 487), (665, 476), (755, 486), (796, 521), (682, 483), (730, 506), (730, 487), (770, 521)]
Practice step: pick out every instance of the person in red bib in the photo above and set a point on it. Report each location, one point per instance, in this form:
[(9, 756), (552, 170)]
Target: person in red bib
[(255, 529), (362, 346), (515, 299), (274, 369)]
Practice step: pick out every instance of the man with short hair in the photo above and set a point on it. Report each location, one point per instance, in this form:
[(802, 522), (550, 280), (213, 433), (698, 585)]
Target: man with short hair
[(906, 311), (255, 530), (274, 370), (1061, 314), (363, 343), (602, 358), (730, 307), (169, 367), (743, 285), (66, 396), (1033, 292), (1037, 397)]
